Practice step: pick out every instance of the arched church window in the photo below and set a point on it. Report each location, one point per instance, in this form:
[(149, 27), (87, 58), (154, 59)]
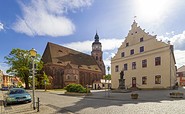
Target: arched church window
[(67, 77)]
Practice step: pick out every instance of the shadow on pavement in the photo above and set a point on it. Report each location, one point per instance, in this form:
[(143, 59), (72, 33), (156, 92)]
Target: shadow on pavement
[(100, 99)]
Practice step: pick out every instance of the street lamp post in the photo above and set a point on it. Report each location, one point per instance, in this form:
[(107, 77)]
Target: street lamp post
[(108, 68), (33, 54)]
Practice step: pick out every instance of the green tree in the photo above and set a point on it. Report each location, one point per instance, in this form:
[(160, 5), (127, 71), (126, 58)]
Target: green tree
[(42, 78), (19, 84), (107, 77), (19, 61)]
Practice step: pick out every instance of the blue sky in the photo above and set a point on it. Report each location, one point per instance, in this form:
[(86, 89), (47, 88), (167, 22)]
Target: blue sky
[(27, 24)]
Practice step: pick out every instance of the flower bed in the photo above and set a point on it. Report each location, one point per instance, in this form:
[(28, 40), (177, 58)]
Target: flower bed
[(176, 95), (77, 90)]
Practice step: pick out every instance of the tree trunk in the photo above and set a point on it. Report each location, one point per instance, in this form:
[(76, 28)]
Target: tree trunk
[(26, 82)]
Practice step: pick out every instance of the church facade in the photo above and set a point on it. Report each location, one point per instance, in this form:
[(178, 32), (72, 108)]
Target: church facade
[(65, 66), (147, 63)]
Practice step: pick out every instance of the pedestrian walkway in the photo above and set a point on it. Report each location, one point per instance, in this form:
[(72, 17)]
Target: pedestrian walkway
[(23, 108), (27, 109), (1, 102)]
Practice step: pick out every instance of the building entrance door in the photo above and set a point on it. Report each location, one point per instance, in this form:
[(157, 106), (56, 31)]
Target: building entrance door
[(134, 82)]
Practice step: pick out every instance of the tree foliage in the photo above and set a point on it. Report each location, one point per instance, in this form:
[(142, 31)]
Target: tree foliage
[(76, 88), (107, 77), (19, 62), (42, 79)]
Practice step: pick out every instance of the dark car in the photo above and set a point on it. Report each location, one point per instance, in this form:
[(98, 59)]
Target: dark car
[(4, 88), (17, 95)]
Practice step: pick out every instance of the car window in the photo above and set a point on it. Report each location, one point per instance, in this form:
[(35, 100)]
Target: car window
[(17, 91)]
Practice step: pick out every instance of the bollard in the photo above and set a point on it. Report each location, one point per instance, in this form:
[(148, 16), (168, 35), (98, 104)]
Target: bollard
[(38, 102)]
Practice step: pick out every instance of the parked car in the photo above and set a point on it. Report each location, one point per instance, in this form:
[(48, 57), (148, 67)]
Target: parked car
[(4, 88), (17, 95)]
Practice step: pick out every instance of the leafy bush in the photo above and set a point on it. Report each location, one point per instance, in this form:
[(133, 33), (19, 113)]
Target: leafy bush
[(76, 88)]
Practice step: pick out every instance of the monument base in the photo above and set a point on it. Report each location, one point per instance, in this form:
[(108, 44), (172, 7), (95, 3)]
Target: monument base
[(121, 84)]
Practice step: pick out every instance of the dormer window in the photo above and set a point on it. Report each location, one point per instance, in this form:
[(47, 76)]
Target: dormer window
[(59, 62), (60, 51), (127, 44), (123, 54), (141, 39)]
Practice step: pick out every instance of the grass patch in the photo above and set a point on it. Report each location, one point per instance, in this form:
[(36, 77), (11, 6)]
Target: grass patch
[(58, 89)]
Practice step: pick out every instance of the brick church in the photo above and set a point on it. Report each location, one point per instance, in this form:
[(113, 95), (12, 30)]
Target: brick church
[(64, 65)]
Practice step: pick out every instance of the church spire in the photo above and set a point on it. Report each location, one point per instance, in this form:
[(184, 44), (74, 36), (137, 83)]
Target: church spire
[(97, 52), (96, 37)]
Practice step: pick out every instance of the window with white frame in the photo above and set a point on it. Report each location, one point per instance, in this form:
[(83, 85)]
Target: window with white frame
[(142, 49), (116, 68), (144, 80), (125, 66), (157, 61), (132, 52), (144, 63), (158, 79), (133, 65)]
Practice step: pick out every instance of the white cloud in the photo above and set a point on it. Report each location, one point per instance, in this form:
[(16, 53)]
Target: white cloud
[(177, 40), (111, 44), (107, 60), (86, 46), (179, 57), (153, 11), (170, 33), (4, 67), (47, 17), (1, 26)]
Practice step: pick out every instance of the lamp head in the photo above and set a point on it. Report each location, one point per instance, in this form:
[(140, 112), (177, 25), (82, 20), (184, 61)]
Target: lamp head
[(33, 52), (108, 68)]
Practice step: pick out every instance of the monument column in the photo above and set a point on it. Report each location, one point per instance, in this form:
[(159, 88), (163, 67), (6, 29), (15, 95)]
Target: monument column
[(121, 80)]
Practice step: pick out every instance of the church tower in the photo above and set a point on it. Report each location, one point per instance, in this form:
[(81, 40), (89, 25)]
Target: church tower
[(97, 53)]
